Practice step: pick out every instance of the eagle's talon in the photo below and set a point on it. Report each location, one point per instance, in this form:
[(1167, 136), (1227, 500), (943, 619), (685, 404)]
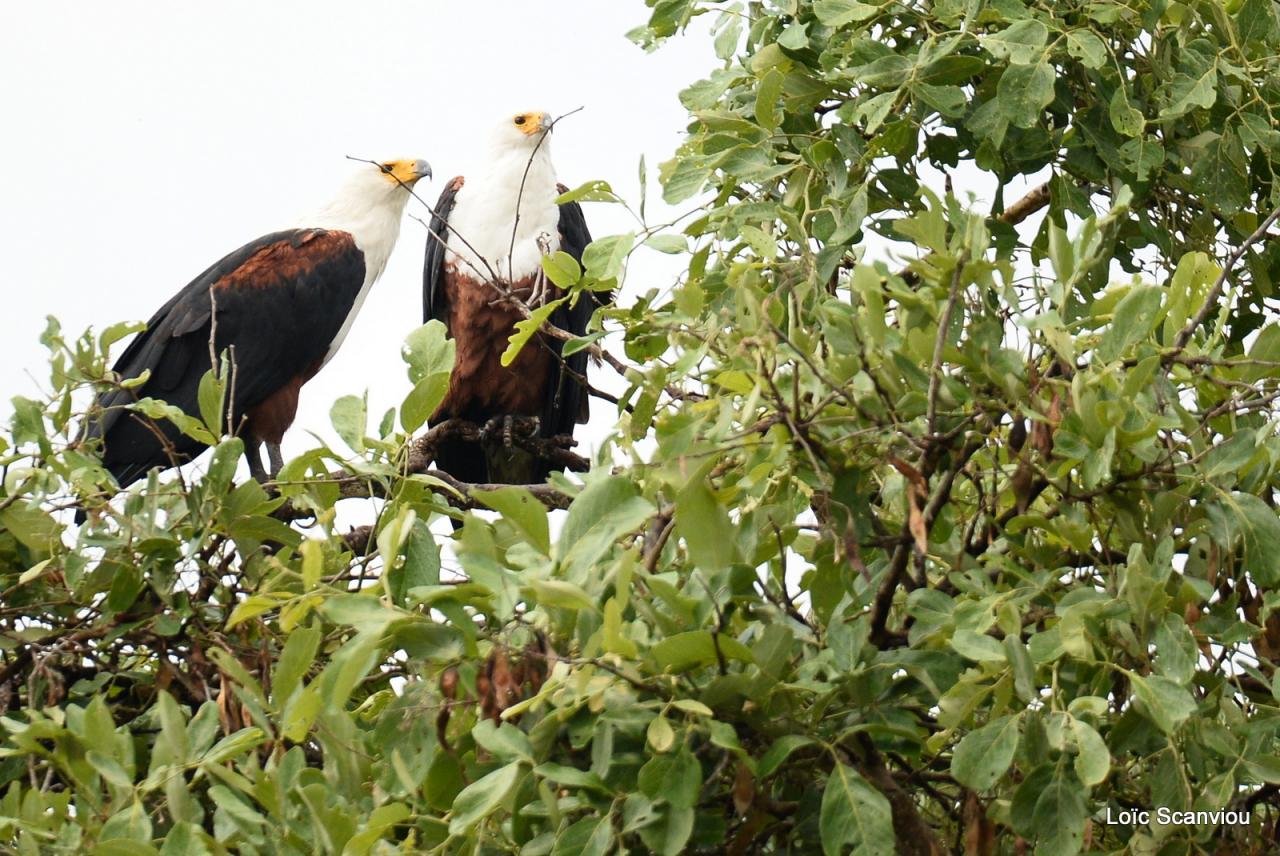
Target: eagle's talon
[(508, 427), (490, 428)]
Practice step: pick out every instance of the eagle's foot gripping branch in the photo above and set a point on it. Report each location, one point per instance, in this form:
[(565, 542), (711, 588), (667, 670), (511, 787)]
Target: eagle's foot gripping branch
[(505, 427)]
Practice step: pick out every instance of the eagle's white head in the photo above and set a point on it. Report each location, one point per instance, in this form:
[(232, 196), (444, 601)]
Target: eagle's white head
[(523, 131), (516, 173), (384, 183)]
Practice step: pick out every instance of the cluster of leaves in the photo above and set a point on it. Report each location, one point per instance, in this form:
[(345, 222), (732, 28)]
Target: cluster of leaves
[(955, 554)]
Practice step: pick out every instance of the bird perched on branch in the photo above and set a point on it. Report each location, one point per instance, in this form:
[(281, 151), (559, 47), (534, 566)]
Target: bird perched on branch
[(489, 233), (278, 308)]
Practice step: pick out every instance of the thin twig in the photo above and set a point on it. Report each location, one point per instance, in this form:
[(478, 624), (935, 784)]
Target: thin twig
[(1184, 335), (940, 343)]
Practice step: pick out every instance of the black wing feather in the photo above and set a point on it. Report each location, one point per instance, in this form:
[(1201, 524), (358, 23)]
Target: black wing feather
[(277, 329), (568, 401), (433, 297)]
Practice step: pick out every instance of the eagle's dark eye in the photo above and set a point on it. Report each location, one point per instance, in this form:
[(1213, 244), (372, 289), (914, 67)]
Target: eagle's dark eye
[(519, 120)]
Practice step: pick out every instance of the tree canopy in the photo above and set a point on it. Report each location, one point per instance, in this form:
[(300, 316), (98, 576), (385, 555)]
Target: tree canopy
[(926, 524)]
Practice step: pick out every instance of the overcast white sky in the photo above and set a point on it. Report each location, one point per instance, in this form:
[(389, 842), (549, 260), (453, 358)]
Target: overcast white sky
[(145, 140)]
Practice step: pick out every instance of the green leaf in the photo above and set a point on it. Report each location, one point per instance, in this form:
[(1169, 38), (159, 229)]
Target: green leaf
[(837, 13), (982, 757), (705, 527), (688, 705), (1163, 702), (348, 667), (561, 593), (1059, 819), (1086, 47), (519, 508), (132, 824), (481, 798), (1024, 670), (350, 416), (1024, 91), (977, 646), (1220, 174), (779, 751), (726, 42), (676, 778), (1021, 42), (768, 112), (185, 839), (505, 741), (210, 397), (950, 101), (591, 191), (115, 332), (855, 813), (668, 243), (562, 269), (615, 637), (606, 509), (1187, 92), (526, 327), (124, 847), (1176, 651), (234, 744), (109, 768), (590, 836), (374, 827), (1261, 537), (1093, 758), (295, 661), (795, 37), (660, 735), (570, 777), (33, 527), (1256, 21), (604, 257), (392, 536), (188, 425), (1143, 155), (1125, 118), (683, 651), (681, 179), (430, 355), (363, 611), (1135, 317), (428, 350)]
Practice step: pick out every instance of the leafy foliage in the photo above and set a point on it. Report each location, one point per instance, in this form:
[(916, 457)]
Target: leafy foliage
[(956, 553)]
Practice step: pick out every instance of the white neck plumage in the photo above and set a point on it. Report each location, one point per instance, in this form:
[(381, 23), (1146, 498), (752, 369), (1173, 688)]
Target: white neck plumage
[(485, 213), (370, 208)]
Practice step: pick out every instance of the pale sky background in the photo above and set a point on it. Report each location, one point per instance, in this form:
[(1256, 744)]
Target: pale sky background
[(146, 140)]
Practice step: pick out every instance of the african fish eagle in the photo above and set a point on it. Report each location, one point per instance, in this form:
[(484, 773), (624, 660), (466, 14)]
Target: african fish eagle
[(489, 233), (279, 307)]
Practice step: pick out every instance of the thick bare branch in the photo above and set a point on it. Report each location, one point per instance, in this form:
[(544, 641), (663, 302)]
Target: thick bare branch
[(422, 454), (1033, 201)]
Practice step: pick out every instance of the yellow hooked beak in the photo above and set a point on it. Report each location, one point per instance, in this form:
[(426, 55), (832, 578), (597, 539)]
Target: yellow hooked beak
[(406, 171)]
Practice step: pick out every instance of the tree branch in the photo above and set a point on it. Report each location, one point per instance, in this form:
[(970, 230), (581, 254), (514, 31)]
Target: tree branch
[(1035, 199), (422, 454)]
